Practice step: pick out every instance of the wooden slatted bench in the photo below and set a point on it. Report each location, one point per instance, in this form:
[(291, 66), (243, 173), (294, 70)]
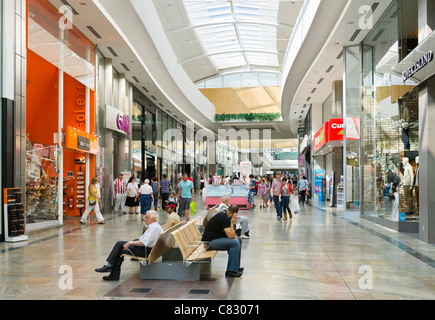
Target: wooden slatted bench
[(169, 268), (188, 239)]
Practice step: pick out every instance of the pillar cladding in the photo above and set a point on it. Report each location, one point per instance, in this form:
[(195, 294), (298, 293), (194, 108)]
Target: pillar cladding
[(426, 18), (427, 160)]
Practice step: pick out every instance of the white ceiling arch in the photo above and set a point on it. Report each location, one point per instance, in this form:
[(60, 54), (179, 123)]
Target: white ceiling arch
[(215, 37)]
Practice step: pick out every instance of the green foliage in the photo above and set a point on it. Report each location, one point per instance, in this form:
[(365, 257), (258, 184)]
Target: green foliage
[(262, 117)]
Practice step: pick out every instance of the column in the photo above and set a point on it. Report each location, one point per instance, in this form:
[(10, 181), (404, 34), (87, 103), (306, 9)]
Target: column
[(108, 100), (427, 161), (120, 153), (426, 18)]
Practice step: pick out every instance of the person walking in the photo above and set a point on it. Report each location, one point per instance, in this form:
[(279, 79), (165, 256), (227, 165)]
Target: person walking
[(131, 200), (302, 189), (165, 189), (262, 190), (120, 193), (92, 204), (145, 193), (251, 194), (286, 191), (155, 186), (275, 193), (267, 195), (186, 194)]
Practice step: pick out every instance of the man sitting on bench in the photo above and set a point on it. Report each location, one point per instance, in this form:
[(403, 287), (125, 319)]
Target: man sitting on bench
[(219, 232), (140, 247)]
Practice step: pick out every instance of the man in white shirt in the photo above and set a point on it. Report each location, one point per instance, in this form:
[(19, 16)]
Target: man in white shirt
[(140, 247), (120, 192)]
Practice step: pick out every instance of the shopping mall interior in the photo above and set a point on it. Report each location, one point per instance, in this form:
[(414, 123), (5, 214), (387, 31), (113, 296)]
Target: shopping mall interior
[(295, 132)]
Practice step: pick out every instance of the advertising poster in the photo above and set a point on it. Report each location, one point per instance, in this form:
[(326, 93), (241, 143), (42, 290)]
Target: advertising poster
[(320, 184)]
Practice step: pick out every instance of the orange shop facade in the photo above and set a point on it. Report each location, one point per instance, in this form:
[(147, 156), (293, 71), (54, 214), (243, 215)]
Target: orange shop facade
[(61, 144)]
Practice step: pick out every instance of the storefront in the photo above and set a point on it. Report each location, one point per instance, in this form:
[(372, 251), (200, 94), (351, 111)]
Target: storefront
[(388, 82), (328, 159), (59, 118)]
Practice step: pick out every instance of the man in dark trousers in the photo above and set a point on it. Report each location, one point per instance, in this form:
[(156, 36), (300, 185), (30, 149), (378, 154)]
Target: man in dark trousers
[(219, 234), (139, 247)]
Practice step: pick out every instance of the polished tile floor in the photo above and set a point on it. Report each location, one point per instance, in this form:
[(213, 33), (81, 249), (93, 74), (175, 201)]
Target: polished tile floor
[(319, 255)]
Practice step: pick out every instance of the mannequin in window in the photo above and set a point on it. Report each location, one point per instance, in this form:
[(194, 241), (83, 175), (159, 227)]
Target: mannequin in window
[(408, 182), (405, 128), (416, 184)]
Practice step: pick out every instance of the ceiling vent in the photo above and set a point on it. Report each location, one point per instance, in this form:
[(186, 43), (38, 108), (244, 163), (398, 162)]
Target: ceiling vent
[(95, 33), (113, 52), (355, 34), (74, 11)]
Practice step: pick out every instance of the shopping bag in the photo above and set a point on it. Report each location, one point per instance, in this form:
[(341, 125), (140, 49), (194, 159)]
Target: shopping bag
[(295, 205), (193, 208)]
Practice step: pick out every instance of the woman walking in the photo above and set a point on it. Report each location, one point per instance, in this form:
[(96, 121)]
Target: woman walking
[(155, 187), (286, 191), (92, 203), (267, 195), (262, 191), (131, 200), (146, 197), (302, 188)]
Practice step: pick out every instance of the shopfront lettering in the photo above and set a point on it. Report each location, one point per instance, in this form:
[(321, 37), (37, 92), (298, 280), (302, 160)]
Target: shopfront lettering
[(80, 110), (417, 66), (123, 123)]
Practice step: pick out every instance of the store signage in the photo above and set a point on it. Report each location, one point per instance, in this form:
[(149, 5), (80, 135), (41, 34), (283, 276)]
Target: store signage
[(333, 130), (117, 121), (320, 138), (336, 130), (79, 140), (123, 123), (83, 143), (417, 66)]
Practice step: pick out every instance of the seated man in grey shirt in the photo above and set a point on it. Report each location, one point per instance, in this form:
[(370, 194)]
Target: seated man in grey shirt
[(140, 247)]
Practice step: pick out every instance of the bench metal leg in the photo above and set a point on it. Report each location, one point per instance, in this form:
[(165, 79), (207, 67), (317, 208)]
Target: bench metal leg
[(170, 271)]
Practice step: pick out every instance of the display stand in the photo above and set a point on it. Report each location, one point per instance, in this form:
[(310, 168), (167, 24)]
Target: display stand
[(238, 196), (340, 195), (14, 217)]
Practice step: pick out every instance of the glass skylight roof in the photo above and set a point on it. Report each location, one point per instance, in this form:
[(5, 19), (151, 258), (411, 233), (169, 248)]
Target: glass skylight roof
[(236, 33)]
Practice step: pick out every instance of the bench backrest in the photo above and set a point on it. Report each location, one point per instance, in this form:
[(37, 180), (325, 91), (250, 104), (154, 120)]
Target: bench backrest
[(164, 243), (209, 215), (186, 237)]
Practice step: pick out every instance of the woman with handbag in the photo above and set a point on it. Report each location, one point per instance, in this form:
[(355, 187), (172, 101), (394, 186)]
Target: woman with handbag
[(131, 201), (284, 198), (146, 197), (92, 204)]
